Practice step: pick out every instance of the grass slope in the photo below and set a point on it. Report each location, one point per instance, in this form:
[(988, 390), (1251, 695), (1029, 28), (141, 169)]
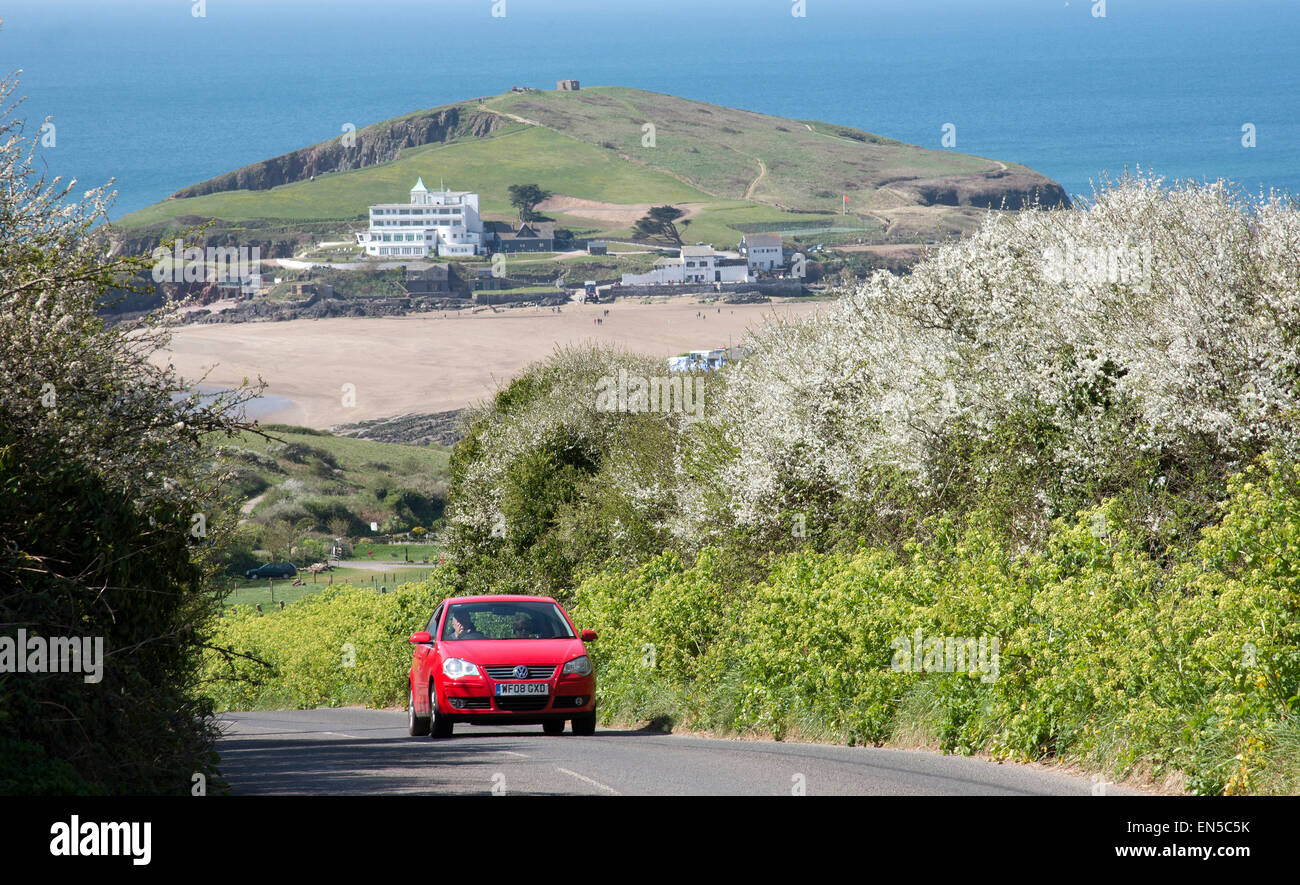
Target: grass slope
[(741, 155), (743, 171), (362, 476)]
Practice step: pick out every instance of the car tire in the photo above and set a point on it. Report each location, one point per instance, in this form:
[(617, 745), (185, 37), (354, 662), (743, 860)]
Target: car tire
[(553, 726), (416, 724), (439, 725), (584, 724)]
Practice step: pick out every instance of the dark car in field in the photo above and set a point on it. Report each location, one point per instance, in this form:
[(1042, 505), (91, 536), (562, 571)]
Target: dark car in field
[(501, 659), (273, 570)]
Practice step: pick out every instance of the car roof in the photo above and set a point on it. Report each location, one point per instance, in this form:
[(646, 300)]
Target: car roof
[(496, 598)]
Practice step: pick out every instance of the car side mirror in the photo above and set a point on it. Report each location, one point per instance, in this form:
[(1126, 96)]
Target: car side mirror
[(421, 638), (588, 635)]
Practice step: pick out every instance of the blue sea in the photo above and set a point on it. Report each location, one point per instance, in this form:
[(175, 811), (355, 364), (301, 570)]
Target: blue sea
[(157, 97)]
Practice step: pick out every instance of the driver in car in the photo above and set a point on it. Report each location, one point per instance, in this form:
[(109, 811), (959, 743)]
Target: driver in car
[(462, 627)]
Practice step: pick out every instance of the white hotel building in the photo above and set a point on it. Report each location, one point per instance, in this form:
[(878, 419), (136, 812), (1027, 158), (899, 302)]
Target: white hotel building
[(443, 223)]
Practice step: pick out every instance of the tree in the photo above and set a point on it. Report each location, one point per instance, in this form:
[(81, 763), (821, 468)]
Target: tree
[(339, 527), (278, 537), (525, 197), (111, 503), (661, 221)]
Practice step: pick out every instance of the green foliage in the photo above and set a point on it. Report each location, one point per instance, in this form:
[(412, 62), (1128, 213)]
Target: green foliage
[(345, 645), (111, 509), (543, 475), (661, 221), (26, 770), (1188, 665), (138, 730), (526, 196)]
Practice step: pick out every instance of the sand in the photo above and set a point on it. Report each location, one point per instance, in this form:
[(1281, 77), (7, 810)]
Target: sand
[(609, 213), (428, 363)]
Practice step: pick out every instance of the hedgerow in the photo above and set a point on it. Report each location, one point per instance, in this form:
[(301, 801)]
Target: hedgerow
[(1073, 433), (343, 646), (110, 506), (1188, 669)]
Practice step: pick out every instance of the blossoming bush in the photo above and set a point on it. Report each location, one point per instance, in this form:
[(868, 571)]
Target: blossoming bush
[(1074, 432), (110, 506), (989, 361), (549, 478)]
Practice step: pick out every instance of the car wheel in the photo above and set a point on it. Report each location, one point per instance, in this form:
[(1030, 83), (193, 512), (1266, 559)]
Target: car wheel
[(439, 725), (417, 725), (584, 724), (553, 726)]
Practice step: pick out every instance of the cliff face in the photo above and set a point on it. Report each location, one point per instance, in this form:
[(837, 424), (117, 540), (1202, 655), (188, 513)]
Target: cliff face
[(373, 145), (992, 190)]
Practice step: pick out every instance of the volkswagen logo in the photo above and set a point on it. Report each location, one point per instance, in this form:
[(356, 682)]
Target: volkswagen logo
[(521, 672)]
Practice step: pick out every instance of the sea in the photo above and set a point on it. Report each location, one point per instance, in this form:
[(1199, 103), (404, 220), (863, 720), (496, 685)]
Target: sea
[(159, 94)]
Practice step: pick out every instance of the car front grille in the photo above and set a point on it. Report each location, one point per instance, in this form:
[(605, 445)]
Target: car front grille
[(523, 703), (471, 703), (535, 671)]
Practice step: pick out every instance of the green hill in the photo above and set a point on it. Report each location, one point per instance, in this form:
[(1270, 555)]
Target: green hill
[(736, 171), (311, 478)]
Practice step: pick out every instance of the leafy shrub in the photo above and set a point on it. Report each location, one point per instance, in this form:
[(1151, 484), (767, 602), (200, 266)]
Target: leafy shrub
[(345, 645), (104, 480), (1186, 668)]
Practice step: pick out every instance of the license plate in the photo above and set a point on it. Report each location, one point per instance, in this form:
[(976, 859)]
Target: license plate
[(525, 688)]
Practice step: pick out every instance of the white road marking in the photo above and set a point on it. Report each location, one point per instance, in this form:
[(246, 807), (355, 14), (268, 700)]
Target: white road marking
[(338, 734), (513, 753), (583, 777)]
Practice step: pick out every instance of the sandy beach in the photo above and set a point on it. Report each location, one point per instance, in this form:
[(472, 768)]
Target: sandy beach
[(436, 362)]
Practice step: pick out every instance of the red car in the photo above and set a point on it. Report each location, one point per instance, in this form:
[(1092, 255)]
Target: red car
[(512, 660)]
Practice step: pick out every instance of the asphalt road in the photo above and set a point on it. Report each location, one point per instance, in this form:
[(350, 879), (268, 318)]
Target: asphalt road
[(353, 751)]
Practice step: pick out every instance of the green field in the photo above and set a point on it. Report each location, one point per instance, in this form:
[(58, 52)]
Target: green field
[(301, 490), (739, 155), (241, 591), (397, 552), (361, 461)]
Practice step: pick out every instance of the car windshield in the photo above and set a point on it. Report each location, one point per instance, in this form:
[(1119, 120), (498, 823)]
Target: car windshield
[(505, 620)]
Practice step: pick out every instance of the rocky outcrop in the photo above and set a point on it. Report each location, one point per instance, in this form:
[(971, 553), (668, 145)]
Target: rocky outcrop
[(316, 308), (992, 190), (372, 145)]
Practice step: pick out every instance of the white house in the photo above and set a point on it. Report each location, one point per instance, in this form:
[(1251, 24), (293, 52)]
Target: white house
[(444, 223), (703, 360), (697, 264), (763, 251)]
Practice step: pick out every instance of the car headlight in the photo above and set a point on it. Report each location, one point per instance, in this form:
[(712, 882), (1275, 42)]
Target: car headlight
[(580, 666), (455, 668)]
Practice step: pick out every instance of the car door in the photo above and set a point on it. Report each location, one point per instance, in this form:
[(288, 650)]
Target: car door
[(425, 661)]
